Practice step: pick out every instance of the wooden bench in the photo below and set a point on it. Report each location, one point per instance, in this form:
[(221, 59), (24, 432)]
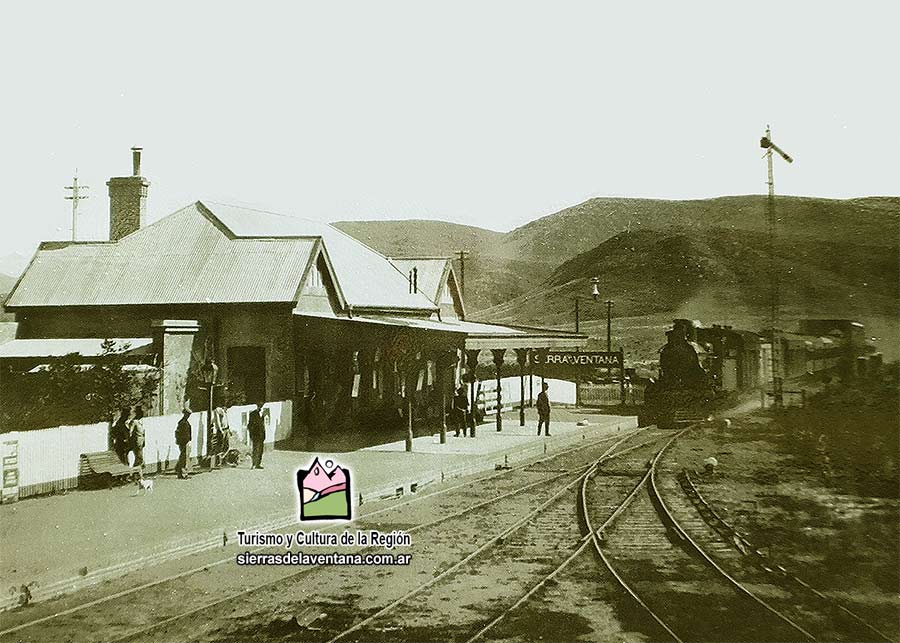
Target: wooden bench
[(102, 468)]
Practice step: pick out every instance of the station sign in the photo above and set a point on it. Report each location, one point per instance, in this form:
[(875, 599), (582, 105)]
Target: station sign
[(581, 363)]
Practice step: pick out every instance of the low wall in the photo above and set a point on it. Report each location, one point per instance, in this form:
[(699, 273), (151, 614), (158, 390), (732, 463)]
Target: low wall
[(47, 460)]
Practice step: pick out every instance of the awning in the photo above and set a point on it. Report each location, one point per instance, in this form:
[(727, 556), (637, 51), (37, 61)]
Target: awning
[(478, 335), (86, 347)]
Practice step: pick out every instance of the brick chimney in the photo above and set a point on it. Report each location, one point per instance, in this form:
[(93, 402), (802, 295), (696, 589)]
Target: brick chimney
[(127, 200)]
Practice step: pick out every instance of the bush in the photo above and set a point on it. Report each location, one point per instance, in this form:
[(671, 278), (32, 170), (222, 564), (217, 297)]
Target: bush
[(68, 393)]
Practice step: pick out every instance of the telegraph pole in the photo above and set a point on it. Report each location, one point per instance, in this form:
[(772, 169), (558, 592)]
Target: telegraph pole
[(772, 221), (462, 272), (75, 197)]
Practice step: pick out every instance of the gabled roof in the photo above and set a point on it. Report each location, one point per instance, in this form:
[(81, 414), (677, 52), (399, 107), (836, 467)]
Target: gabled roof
[(366, 278), (211, 253), (184, 258), (430, 272), (433, 273)]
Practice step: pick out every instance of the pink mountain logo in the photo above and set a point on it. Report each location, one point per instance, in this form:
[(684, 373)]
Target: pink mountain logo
[(324, 491)]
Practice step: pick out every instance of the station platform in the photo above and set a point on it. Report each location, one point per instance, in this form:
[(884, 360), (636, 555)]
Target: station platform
[(59, 544)]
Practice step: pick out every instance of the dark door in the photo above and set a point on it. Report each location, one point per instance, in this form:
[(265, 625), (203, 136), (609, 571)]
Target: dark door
[(247, 371)]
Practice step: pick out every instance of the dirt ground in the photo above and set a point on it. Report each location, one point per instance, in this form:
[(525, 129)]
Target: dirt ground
[(817, 490)]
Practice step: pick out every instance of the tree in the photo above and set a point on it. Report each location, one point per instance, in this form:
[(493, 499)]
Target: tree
[(68, 391), (114, 388)]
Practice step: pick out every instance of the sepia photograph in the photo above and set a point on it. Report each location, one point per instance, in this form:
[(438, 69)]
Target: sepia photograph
[(432, 322)]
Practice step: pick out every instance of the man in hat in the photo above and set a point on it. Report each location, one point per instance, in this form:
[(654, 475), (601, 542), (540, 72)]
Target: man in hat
[(543, 409), (257, 430), (183, 440)]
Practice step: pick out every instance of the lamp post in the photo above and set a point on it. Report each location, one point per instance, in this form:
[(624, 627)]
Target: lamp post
[(210, 372), (595, 293), (609, 325)]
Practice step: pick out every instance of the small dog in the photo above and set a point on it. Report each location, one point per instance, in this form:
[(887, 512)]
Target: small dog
[(143, 486)]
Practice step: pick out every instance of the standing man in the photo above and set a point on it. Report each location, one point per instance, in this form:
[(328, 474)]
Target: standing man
[(183, 440), (121, 439), (460, 411), (257, 430), (543, 409), (220, 436)]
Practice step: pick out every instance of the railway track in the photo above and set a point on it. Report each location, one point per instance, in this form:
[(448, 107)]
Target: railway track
[(602, 495), (530, 547), (665, 573), (822, 616), (674, 579), (510, 563), (163, 606)]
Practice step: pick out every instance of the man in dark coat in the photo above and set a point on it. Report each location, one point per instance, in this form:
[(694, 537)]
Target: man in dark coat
[(460, 411), (120, 435), (543, 409), (183, 440), (257, 430)]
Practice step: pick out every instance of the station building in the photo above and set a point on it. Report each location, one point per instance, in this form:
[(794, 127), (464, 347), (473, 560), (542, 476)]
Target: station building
[(275, 307)]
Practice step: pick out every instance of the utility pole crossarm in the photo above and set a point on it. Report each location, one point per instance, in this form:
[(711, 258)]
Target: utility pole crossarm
[(75, 197)]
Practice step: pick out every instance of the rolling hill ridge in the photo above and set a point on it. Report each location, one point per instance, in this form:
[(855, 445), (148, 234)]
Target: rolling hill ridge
[(706, 259)]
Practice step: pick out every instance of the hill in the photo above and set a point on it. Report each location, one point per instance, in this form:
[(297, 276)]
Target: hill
[(13, 264), (578, 229), (505, 266), (653, 271), (705, 259), (420, 237), (6, 285)]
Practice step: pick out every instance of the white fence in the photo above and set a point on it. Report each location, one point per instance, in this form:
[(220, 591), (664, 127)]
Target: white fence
[(47, 460), (559, 392)]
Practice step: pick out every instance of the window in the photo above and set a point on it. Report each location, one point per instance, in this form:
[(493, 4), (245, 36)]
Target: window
[(315, 277)]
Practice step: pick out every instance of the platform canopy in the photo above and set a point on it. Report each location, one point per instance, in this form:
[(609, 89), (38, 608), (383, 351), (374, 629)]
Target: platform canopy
[(478, 335)]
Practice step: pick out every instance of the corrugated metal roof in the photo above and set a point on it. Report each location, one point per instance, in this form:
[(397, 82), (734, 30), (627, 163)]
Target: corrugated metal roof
[(472, 329), (183, 258), (367, 278), (477, 335), (429, 275), (87, 347), (211, 252)]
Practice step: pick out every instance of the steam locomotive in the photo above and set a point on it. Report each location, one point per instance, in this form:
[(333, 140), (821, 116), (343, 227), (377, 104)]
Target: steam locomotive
[(701, 367), (686, 390)]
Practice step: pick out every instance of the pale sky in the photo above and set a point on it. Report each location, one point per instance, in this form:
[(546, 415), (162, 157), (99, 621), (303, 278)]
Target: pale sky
[(483, 113)]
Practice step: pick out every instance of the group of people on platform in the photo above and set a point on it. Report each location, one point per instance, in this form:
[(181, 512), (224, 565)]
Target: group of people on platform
[(462, 419), (128, 436), (225, 447)]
